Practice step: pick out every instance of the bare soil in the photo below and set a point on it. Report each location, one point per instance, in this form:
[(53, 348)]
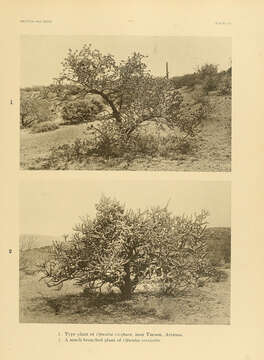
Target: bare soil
[(209, 304)]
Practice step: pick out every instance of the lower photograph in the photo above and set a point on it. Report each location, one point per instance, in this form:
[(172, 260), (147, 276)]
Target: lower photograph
[(123, 251)]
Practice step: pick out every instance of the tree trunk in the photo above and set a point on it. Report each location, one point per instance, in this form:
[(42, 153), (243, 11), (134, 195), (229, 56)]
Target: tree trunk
[(127, 287), (22, 120), (116, 113)]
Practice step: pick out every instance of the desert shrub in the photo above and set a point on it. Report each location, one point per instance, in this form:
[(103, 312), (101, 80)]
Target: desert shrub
[(110, 249), (122, 247), (77, 151), (34, 110), (116, 146), (189, 118), (180, 254), (208, 77), (219, 275), (44, 92), (42, 111), (79, 111), (199, 96), (26, 110), (44, 126), (209, 84), (225, 85), (174, 145), (207, 70)]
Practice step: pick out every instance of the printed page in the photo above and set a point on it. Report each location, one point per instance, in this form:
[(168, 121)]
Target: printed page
[(131, 163)]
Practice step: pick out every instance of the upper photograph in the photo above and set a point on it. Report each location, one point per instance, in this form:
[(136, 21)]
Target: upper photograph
[(125, 103)]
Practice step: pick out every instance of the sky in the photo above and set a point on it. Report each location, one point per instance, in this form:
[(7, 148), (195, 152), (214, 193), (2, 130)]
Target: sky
[(54, 207), (41, 56)]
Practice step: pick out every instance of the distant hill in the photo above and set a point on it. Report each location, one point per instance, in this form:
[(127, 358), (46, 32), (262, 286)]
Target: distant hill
[(219, 244), (32, 241)]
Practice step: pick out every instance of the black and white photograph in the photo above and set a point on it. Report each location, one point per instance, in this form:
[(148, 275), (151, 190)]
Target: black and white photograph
[(132, 180), (158, 103), (110, 251)]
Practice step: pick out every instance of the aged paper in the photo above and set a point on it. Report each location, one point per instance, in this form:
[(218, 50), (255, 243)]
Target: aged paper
[(239, 192)]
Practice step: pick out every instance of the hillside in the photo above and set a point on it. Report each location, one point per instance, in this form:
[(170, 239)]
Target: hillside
[(33, 241), (219, 244), (212, 150)]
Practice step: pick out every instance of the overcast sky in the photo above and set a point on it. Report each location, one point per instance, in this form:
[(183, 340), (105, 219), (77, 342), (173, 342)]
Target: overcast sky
[(54, 207), (41, 56)]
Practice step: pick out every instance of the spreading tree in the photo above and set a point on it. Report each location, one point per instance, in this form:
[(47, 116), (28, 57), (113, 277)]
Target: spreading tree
[(130, 92)]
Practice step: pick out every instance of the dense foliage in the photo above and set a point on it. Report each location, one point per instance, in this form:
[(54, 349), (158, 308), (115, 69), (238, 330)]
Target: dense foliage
[(122, 247), (80, 111)]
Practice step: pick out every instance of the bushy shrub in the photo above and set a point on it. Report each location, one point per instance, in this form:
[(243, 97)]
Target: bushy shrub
[(209, 83), (42, 111), (207, 71), (121, 248), (44, 126), (80, 111), (189, 118), (34, 110), (180, 254), (219, 275), (115, 146), (61, 155), (26, 111), (225, 85)]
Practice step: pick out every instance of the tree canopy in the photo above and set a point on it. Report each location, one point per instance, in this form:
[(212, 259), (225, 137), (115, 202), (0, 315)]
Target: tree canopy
[(131, 93)]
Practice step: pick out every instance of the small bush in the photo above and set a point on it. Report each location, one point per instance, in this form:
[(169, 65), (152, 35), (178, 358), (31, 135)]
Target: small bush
[(225, 85), (199, 96), (219, 275), (209, 84), (41, 111), (80, 111), (207, 71), (44, 126), (34, 110)]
